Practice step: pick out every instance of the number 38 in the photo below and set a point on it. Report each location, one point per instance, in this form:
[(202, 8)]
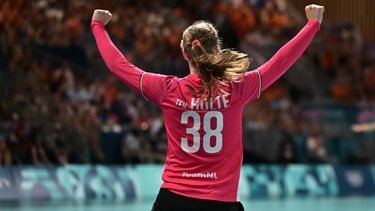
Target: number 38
[(209, 132)]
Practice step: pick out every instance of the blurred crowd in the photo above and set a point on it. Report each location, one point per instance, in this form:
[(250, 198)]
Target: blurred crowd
[(59, 105)]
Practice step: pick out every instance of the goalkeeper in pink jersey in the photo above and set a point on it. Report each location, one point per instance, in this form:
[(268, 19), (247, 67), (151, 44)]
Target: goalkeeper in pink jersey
[(203, 111)]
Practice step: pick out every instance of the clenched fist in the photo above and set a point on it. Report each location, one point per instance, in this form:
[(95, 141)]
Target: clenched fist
[(103, 16), (314, 12)]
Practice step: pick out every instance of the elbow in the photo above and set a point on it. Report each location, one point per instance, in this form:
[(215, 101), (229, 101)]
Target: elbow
[(115, 64), (111, 68), (111, 64)]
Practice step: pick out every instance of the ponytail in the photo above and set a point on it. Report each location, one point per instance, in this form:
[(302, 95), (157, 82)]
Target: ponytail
[(202, 45), (217, 68)]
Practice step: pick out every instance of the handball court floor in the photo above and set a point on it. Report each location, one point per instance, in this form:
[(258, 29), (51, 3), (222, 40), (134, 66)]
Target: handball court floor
[(295, 204)]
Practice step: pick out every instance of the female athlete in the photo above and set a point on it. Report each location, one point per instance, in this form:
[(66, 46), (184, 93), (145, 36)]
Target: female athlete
[(203, 111)]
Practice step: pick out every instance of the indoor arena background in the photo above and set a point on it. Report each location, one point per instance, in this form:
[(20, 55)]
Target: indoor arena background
[(72, 137)]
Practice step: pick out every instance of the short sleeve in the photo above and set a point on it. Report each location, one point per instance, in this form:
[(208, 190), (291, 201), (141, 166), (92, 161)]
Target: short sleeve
[(154, 87), (250, 87)]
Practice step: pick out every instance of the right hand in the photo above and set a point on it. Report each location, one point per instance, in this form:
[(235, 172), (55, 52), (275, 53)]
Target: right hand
[(103, 16), (314, 12)]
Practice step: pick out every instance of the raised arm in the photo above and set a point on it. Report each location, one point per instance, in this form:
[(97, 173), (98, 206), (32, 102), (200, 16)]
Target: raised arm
[(152, 86), (113, 58), (290, 52)]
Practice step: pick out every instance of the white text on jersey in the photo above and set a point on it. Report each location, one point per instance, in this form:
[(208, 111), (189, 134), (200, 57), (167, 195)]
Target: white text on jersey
[(211, 175), (216, 103)]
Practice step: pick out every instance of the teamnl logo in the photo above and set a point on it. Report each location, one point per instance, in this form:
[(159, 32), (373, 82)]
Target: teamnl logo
[(209, 175)]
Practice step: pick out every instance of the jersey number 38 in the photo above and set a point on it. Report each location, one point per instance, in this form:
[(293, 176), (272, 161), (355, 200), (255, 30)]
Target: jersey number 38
[(208, 131)]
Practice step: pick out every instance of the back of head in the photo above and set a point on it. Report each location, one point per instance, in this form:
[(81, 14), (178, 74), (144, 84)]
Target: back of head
[(216, 66)]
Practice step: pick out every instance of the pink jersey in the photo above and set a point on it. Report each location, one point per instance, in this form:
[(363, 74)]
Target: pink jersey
[(204, 153)]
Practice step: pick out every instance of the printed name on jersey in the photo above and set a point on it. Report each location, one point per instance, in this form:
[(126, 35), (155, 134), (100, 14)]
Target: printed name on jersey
[(200, 104)]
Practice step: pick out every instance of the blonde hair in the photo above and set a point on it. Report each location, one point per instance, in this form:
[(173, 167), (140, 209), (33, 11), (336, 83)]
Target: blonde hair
[(216, 66)]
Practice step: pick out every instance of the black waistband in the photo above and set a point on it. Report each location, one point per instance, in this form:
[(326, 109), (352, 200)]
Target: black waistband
[(169, 201)]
